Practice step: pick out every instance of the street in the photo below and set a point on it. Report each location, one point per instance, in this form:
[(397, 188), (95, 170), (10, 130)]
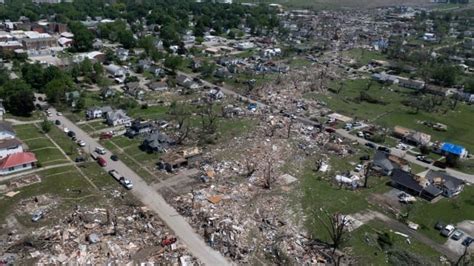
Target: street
[(152, 199)]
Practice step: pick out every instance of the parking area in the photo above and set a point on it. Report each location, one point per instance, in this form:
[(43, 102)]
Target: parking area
[(467, 228)]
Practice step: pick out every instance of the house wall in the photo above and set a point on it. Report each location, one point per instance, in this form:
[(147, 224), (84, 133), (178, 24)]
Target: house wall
[(5, 152), (15, 169)]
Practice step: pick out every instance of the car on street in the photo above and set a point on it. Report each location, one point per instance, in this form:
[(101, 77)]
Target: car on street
[(71, 134), (66, 130), (402, 146), (359, 167), (384, 149), (100, 150), (448, 230), (57, 122), (457, 234), (81, 143), (424, 159), (38, 215), (360, 134), (101, 161), (114, 157), (59, 114), (370, 145), (467, 241)]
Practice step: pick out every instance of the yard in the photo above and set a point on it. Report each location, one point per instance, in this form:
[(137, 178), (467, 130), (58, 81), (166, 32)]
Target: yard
[(393, 112), (46, 152)]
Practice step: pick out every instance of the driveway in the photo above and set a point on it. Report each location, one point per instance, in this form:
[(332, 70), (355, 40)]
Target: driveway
[(153, 200)]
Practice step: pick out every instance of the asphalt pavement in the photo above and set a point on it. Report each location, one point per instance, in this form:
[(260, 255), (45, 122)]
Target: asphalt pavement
[(151, 198)]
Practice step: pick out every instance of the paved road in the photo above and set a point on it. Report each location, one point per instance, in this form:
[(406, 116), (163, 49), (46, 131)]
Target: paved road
[(410, 158), (153, 200), (343, 133)]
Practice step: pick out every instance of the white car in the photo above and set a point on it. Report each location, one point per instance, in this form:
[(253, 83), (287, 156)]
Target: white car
[(100, 150), (66, 130), (402, 146), (81, 143), (360, 134), (359, 167), (59, 114)]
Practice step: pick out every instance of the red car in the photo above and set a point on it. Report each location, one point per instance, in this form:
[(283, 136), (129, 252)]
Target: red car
[(106, 135), (102, 162)]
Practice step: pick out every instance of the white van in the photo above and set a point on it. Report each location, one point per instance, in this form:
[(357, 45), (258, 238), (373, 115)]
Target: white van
[(100, 150)]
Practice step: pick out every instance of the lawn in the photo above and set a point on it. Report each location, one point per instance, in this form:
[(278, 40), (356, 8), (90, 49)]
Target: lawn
[(363, 56), (151, 112), (367, 250), (60, 182), (36, 115), (394, 113), (64, 142), (29, 131), (452, 211)]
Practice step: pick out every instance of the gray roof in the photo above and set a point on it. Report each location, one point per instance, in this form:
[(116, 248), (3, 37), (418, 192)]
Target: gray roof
[(9, 143), (381, 160), (450, 182), (407, 180)]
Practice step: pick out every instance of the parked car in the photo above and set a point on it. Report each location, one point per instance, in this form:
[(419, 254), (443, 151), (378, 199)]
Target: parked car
[(66, 130), (360, 134), (448, 230), (402, 146), (100, 150), (57, 122), (59, 114), (364, 158), (359, 167), (114, 157), (370, 145), (38, 215), (79, 159), (439, 164), (384, 149), (457, 234), (71, 134), (81, 143), (101, 161), (467, 241), (439, 225), (424, 159)]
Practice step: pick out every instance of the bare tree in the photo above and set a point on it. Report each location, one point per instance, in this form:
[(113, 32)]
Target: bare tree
[(250, 165), (367, 171), (290, 125), (335, 224), (183, 133), (208, 117), (268, 178)]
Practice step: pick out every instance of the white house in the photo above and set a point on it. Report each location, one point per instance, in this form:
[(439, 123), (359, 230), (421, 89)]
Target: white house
[(93, 113), (10, 146), (6, 131), (117, 118), (17, 162), (115, 71)]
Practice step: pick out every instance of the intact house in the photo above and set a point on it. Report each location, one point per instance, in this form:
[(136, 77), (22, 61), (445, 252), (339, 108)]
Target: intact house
[(414, 185), (118, 118), (6, 131), (158, 86), (139, 127), (17, 162), (157, 142), (133, 89), (187, 82), (10, 146), (451, 186), (386, 163), (97, 112), (453, 149)]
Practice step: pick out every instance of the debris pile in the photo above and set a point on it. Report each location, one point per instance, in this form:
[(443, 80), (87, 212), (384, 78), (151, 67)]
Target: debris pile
[(120, 235)]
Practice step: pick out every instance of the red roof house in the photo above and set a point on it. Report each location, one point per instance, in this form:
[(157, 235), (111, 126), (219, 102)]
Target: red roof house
[(17, 162)]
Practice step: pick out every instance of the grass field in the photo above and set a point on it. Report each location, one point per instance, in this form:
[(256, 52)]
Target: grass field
[(368, 251), (43, 148), (459, 121), (340, 4)]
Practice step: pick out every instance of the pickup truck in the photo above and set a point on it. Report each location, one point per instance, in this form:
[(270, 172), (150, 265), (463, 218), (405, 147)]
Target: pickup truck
[(122, 180)]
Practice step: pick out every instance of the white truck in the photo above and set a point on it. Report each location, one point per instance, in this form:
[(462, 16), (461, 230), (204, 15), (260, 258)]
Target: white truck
[(122, 180)]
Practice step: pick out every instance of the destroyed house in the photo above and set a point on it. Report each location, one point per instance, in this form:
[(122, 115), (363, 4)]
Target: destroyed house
[(382, 164), (414, 185), (171, 161), (451, 186)]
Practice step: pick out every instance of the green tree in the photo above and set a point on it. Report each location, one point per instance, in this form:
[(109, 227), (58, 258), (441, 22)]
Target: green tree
[(18, 97), (46, 126), (83, 38)]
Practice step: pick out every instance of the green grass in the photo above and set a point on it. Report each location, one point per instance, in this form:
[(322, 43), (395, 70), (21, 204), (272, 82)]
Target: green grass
[(36, 115), (363, 56), (152, 112), (39, 144), (29, 131), (50, 156), (64, 142), (368, 252), (98, 176), (58, 182), (452, 211), (459, 121)]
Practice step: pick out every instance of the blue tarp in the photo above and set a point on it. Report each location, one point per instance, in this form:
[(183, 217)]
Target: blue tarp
[(452, 148)]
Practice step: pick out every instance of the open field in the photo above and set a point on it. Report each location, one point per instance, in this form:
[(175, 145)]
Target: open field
[(394, 113), (338, 4)]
